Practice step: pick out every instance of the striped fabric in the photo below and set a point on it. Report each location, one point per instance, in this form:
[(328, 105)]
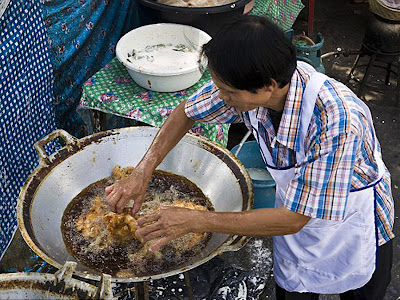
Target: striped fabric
[(339, 148)]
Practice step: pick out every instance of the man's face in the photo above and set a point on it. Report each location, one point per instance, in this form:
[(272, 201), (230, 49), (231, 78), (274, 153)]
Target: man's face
[(242, 100)]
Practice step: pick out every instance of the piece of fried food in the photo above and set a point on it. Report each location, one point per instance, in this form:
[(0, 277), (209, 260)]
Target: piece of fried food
[(119, 173), (189, 205), (91, 224), (121, 227)]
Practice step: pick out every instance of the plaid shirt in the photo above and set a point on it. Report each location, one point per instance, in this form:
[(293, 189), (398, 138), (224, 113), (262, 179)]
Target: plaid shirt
[(339, 148)]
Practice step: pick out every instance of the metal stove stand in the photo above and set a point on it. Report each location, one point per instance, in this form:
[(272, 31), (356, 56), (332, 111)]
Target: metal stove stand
[(381, 44), (387, 61), (141, 291)]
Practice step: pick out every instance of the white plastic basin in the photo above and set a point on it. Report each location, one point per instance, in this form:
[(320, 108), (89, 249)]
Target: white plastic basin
[(163, 57)]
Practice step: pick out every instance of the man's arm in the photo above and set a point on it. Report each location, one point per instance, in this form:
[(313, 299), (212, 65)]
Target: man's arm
[(172, 222), (134, 186)]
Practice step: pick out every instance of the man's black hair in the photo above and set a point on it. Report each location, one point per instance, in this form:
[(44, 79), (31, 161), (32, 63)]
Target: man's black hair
[(248, 52)]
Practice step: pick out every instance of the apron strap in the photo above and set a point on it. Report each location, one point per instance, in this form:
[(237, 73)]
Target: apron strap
[(307, 109), (377, 155), (263, 146)]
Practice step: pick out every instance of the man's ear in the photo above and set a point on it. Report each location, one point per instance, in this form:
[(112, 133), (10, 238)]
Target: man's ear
[(272, 87), (274, 84)]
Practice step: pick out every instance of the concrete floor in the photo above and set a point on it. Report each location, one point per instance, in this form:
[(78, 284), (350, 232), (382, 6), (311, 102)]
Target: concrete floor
[(342, 24)]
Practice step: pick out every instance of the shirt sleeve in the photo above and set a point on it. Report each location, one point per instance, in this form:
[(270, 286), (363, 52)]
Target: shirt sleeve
[(321, 185), (206, 106)]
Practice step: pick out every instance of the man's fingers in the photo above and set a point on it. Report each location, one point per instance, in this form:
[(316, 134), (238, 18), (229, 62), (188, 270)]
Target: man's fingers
[(109, 189), (148, 219), (123, 200), (160, 243), (143, 232), (135, 208), (119, 207), (152, 235), (113, 200), (136, 205), (110, 195)]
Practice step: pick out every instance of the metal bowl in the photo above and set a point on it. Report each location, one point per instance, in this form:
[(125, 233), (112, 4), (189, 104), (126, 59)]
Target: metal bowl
[(209, 19), (63, 175)]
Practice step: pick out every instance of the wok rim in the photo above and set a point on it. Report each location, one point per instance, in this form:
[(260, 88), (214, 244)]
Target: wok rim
[(19, 281), (32, 184)]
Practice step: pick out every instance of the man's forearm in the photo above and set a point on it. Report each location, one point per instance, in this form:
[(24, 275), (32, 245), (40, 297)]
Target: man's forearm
[(171, 132), (258, 222)]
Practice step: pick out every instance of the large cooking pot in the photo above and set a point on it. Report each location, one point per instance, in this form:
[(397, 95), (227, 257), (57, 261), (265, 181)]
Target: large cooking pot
[(209, 19), (63, 175), (382, 35)]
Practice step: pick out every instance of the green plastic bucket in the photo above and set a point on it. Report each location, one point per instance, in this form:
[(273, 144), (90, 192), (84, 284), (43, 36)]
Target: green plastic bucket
[(263, 183)]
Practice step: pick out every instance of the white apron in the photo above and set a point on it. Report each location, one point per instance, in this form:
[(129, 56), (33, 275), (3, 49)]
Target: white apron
[(325, 257)]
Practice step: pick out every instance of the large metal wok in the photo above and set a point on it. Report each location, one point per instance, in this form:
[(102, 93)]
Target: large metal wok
[(60, 285), (64, 174)]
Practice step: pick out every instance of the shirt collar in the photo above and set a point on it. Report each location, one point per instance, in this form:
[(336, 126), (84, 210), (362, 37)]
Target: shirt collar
[(289, 127)]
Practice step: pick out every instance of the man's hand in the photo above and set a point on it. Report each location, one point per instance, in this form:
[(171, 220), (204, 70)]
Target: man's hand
[(121, 192), (172, 222), (166, 225), (134, 186)]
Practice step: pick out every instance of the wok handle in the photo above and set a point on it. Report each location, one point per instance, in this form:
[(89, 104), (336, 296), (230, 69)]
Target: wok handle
[(65, 273), (237, 243), (104, 290), (59, 133)]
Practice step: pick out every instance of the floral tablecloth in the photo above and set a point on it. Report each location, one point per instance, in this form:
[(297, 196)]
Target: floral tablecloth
[(111, 90), (282, 12)]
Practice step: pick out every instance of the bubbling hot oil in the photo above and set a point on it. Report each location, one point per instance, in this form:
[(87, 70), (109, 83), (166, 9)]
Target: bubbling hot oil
[(124, 259)]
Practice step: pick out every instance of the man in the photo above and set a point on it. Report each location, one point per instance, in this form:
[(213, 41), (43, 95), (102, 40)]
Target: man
[(333, 198)]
